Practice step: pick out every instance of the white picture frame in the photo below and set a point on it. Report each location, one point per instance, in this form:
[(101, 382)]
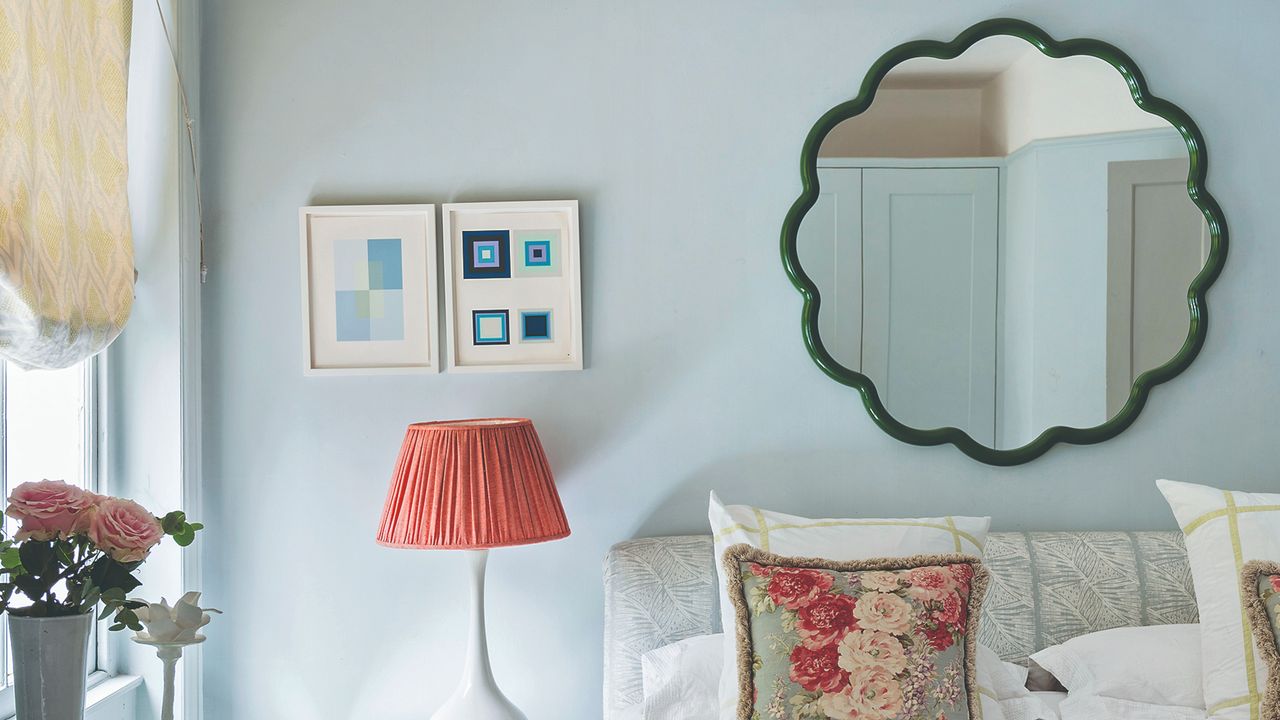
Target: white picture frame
[(513, 286), (355, 321)]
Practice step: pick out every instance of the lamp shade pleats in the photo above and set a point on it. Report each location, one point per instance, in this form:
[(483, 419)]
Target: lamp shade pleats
[(471, 484)]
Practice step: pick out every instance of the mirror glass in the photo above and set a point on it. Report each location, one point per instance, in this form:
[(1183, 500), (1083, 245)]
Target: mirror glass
[(1003, 242)]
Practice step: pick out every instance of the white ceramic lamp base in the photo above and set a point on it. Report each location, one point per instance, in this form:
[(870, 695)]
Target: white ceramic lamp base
[(478, 696)]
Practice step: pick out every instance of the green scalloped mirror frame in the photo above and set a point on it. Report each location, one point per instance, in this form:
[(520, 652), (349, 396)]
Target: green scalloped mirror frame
[(1195, 186)]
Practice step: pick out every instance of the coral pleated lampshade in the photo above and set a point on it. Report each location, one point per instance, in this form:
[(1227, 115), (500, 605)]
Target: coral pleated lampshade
[(471, 484)]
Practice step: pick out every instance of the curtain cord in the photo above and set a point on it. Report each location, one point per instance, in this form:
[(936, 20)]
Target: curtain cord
[(191, 140)]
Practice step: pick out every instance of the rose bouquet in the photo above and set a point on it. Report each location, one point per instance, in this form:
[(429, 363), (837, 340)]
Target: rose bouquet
[(75, 549)]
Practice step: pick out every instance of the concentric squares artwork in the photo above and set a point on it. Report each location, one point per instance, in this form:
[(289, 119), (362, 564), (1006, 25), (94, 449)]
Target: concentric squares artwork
[(541, 277), (535, 326), (490, 327), (486, 254), (539, 253)]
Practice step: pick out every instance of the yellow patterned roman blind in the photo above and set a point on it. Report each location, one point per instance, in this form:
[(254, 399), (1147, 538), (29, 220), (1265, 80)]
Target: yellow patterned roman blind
[(66, 255)]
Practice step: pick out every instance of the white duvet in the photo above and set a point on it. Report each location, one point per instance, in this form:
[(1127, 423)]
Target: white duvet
[(681, 680)]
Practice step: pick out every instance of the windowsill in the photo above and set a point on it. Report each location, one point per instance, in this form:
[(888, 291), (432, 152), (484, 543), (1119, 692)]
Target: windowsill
[(105, 688), (105, 691)]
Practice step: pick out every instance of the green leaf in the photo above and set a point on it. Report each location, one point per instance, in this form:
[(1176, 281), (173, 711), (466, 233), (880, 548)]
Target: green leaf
[(173, 522), (11, 558), (30, 585), (35, 556), (62, 551)]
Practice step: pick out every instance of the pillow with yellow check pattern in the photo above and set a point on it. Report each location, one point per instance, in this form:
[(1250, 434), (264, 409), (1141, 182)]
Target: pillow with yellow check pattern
[(1223, 530)]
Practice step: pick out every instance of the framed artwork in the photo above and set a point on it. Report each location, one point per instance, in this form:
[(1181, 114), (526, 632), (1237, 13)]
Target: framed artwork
[(513, 290), (369, 289)]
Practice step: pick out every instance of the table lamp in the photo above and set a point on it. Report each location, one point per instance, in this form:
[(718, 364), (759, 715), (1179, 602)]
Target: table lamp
[(472, 485)]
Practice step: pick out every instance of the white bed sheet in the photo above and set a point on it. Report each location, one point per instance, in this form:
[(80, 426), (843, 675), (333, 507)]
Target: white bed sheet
[(1051, 699), (1082, 706)]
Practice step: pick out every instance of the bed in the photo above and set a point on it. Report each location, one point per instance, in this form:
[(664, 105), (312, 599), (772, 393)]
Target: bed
[(1046, 588)]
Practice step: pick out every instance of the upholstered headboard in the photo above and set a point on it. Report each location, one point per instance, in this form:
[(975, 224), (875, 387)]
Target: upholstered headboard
[(1047, 587)]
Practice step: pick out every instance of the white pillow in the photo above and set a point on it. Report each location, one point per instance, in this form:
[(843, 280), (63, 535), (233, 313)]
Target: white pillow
[(833, 539), (1157, 664), (681, 680), (1004, 691), (1021, 672), (1223, 530)]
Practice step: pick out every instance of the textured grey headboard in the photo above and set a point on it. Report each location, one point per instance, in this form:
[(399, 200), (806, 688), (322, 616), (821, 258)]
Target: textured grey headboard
[(1046, 587)]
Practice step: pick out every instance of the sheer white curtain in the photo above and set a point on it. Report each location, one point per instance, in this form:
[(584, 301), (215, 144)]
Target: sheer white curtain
[(66, 255)]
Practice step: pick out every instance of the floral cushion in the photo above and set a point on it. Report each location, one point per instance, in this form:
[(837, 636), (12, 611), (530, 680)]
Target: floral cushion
[(885, 639), (1260, 588)]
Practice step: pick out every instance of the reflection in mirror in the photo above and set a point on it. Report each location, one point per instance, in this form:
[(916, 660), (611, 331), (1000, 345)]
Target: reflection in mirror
[(1003, 242)]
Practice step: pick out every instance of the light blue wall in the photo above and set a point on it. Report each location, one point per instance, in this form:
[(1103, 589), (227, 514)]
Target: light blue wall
[(1054, 308), (678, 125)]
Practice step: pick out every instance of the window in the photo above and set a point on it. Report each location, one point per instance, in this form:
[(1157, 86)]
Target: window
[(48, 430)]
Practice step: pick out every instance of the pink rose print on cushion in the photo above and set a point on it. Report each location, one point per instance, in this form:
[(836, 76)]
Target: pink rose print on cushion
[(872, 648), (940, 638), (930, 583), (953, 611), (825, 620), (760, 570), (962, 574), (794, 588), (818, 670), (873, 694), (48, 509), (880, 581), (883, 611), (1275, 583)]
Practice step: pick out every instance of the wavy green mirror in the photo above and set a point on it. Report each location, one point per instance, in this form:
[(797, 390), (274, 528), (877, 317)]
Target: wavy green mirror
[(1004, 242)]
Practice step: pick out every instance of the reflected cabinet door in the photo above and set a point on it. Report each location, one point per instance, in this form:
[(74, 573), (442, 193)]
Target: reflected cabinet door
[(929, 279)]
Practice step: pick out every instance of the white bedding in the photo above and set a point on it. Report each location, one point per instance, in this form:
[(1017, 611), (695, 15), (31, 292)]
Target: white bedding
[(1052, 700), (1120, 674), (681, 683)]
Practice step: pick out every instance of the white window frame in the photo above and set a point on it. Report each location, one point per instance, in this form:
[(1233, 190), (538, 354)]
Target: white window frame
[(104, 685)]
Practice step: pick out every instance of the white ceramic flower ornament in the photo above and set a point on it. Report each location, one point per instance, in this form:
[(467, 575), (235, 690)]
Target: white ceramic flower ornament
[(177, 624)]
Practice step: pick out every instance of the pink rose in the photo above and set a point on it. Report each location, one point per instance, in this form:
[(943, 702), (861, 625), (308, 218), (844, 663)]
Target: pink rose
[(883, 611), (48, 509), (872, 648), (929, 583), (953, 611), (825, 620), (1275, 583), (817, 670), (123, 529), (880, 580), (794, 588), (873, 694), (962, 573)]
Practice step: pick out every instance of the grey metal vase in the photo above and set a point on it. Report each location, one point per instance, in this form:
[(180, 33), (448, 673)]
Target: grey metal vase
[(50, 664)]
